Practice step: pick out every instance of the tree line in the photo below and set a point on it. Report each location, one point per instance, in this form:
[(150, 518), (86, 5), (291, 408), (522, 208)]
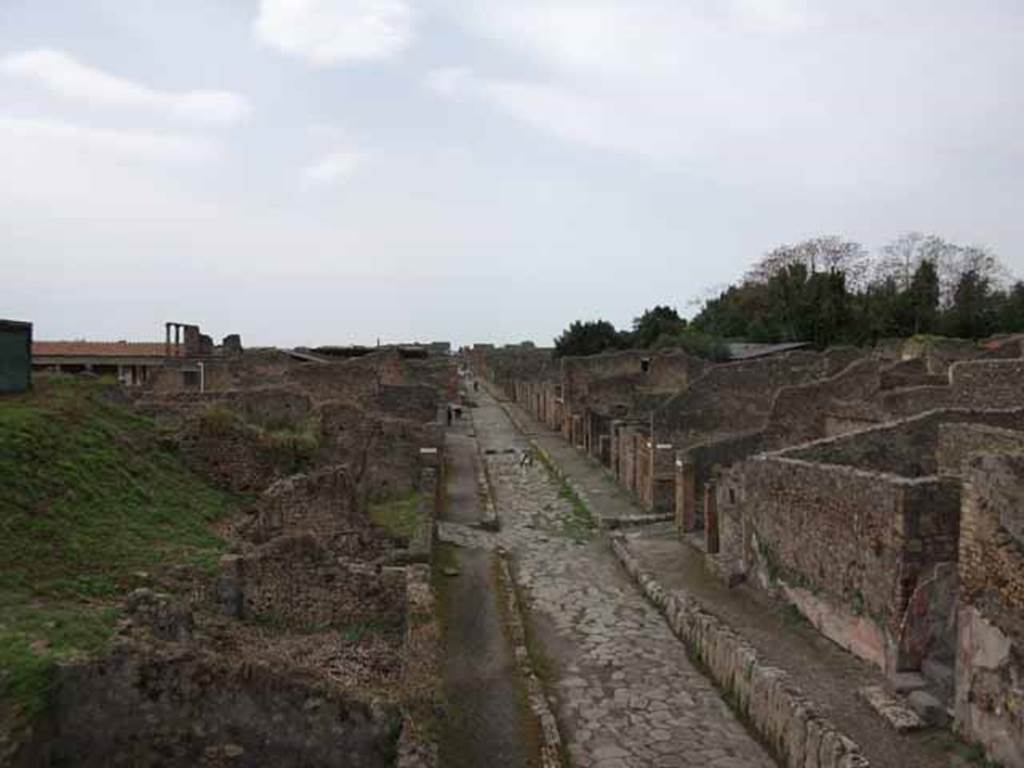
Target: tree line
[(828, 290)]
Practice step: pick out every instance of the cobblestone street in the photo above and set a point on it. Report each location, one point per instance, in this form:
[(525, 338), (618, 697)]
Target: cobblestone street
[(626, 694)]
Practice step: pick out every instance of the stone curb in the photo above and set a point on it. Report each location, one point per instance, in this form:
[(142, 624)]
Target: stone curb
[(765, 696), (551, 740)]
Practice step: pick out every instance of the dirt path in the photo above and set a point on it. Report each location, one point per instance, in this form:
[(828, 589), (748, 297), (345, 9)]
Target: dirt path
[(487, 723)]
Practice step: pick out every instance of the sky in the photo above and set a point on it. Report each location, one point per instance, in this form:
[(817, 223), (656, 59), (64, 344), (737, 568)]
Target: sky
[(342, 171)]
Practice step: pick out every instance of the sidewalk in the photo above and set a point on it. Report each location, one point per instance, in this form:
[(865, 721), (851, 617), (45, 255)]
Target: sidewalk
[(824, 673)]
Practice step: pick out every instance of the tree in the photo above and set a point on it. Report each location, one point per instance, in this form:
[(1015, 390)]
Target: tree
[(923, 296), (655, 323), (587, 338), (819, 254), (972, 313), (1011, 309)]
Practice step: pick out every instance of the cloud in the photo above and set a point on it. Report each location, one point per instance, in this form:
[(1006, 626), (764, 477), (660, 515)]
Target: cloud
[(65, 76), (326, 32), (450, 82), (753, 91), (332, 168), (125, 144)]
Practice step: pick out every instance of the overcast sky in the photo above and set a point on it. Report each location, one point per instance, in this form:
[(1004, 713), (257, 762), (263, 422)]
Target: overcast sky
[(316, 171)]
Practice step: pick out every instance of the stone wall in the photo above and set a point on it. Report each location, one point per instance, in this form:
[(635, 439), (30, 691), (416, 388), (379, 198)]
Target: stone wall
[(987, 383), (992, 544), (959, 441), (733, 397), (239, 456), (848, 545), (272, 407), (907, 447), (800, 412), (989, 701), (184, 709), (296, 581), (325, 503), (382, 453), (418, 402)]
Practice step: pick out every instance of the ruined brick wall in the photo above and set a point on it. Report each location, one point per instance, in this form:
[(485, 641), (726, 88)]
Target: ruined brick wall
[(900, 403), (800, 412), (907, 447), (988, 383), (439, 373), (992, 541), (719, 454), (325, 503), (838, 359), (382, 453), (734, 397), (238, 456), (507, 365), (297, 581), (350, 380), (180, 710), (938, 354), (989, 687), (993, 382), (271, 407), (830, 527), (417, 402), (911, 373), (252, 368), (850, 544), (959, 441)]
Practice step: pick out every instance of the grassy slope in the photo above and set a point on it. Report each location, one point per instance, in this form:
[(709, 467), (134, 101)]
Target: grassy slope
[(400, 517), (90, 501)]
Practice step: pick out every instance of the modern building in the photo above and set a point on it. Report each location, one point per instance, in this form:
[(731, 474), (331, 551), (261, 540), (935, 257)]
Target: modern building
[(15, 356), (132, 363)]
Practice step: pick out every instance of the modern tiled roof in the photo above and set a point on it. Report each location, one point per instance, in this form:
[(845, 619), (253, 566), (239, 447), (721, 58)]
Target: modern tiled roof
[(99, 349)]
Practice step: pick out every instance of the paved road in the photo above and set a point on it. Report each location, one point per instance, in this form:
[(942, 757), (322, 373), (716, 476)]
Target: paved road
[(627, 695)]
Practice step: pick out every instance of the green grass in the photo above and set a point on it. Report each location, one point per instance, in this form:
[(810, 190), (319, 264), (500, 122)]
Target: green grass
[(92, 503), (400, 517), (580, 524)]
